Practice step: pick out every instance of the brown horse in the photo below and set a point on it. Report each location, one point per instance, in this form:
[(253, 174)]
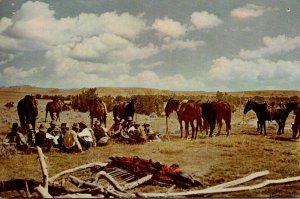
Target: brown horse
[(98, 110), (28, 111), (54, 107), (215, 112), (188, 112), (124, 110)]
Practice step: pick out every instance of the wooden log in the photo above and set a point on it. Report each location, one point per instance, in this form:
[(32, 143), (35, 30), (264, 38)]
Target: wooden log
[(43, 167), (110, 179), (79, 168), (137, 182), (240, 180), (80, 195), (43, 192), (100, 189), (223, 190)]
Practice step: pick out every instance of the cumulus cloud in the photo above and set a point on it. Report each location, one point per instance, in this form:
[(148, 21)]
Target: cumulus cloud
[(252, 75), (20, 74), (169, 27), (181, 44), (250, 11), (6, 57), (149, 79), (204, 20), (272, 45), (35, 21)]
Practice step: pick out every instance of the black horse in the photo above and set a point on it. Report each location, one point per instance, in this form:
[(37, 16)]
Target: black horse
[(27, 111), (263, 114), (280, 115)]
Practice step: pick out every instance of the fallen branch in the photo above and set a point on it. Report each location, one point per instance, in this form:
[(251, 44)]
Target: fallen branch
[(110, 179), (79, 168), (43, 192), (138, 182), (241, 180), (43, 167), (223, 190)]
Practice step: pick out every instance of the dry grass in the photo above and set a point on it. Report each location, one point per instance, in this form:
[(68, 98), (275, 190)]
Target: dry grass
[(211, 160)]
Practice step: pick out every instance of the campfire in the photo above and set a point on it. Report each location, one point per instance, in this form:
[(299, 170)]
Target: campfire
[(120, 177)]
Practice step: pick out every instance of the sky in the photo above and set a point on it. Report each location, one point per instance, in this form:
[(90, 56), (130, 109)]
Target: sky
[(180, 45)]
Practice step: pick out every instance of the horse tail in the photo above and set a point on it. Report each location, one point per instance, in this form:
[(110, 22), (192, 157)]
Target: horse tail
[(167, 129)]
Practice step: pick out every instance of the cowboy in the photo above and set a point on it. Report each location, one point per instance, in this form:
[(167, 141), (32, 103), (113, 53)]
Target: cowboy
[(115, 130), (15, 136), (149, 132), (41, 139), (86, 136), (53, 130), (101, 133), (70, 138), (135, 134)]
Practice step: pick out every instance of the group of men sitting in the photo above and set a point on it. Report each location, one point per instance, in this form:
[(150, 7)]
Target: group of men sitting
[(78, 137)]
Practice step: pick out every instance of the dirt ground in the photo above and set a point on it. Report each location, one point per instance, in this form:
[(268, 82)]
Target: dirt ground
[(210, 160)]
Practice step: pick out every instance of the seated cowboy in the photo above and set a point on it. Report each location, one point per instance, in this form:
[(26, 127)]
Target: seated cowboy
[(149, 132), (53, 130), (101, 134), (86, 136), (41, 139), (15, 136), (70, 138), (53, 134), (115, 129), (134, 133)]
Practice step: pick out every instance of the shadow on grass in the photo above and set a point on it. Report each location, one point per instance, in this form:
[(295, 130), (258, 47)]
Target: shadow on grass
[(285, 139)]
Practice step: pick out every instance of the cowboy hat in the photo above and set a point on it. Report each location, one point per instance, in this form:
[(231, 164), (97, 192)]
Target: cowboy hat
[(64, 126), (42, 128), (75, 126), (15, 125), (83, 123), (146, 124), (97, 123)]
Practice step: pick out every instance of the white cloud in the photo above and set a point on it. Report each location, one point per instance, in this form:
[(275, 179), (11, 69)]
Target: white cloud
[(149, 79), (6, 57), (169, 27), (19, 74), (204, 20), (249, 75), (152, 65), (35, 22), (250, 11), (181, 44), (272, 45)]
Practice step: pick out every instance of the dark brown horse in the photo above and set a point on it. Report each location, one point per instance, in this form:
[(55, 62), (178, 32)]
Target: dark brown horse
[(125, 110), (98, 110), (188, 112), (27, 111), (215, 112), (54, 107), (296, 125)]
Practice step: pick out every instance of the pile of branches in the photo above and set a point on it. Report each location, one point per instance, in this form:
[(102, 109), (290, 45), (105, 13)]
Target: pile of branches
[(7, 150), (118, 179)]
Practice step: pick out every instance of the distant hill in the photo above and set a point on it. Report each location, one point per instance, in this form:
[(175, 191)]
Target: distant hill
[(114, 91)]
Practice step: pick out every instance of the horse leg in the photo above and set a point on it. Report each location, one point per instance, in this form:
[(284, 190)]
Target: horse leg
[(264, 124), (258, 125), (228, 126), (283, 125), (212, 127), (279, 126), (186, 123), (219, 122), (180, 123), (194, 134)]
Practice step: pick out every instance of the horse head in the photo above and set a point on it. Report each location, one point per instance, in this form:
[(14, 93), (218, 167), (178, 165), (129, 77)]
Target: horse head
[(248, 106), (171, 106)]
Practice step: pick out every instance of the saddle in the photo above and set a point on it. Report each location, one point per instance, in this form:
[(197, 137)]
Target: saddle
[(181, 107)]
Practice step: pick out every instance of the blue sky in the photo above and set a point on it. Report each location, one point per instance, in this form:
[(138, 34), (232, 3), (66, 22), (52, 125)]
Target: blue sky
[(190, 45)]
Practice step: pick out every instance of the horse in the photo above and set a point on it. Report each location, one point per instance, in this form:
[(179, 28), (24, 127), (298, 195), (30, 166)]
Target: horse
[(27, 111), (123, 110), (187, 112), (214, 113), (296, 125), (262, 114), (55, 106), (280, 115), (97, 109)]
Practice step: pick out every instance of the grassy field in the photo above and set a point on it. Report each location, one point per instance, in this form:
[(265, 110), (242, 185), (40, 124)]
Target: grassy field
[(210, 160)]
